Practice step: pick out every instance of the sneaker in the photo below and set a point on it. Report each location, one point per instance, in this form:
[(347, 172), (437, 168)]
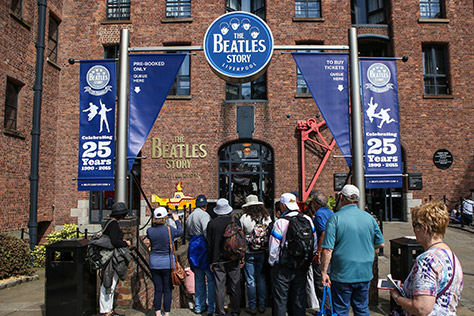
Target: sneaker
[(251, 311), (261, 310)]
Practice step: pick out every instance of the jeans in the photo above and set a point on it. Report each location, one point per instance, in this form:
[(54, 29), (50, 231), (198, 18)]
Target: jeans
[(255, 279), (163, 288), (350, 294), (204, 290)]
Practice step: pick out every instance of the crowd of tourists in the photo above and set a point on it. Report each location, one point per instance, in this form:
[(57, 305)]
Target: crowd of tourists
[(291, 259)]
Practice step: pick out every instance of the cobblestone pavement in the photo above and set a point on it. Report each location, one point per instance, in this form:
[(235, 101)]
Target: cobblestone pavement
[(27, 299)]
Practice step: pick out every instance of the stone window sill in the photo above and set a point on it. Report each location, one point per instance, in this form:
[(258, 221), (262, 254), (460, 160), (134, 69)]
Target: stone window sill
[(309, 19), (177, 20), (14, 133), (179, 97), (433, 21), (116, 22), (438, 96), (20, 20), (303, 95)]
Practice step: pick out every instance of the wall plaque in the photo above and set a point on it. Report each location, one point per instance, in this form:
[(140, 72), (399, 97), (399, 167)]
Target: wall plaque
[(443, 159)]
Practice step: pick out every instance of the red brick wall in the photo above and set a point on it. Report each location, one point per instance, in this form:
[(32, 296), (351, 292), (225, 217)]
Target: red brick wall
[(426, 124)]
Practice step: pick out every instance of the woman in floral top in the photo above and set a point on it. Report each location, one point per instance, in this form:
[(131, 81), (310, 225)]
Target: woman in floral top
[(435, 282)]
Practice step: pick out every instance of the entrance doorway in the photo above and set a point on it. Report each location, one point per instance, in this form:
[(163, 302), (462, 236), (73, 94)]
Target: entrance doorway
[(246, 167), (387, 204)]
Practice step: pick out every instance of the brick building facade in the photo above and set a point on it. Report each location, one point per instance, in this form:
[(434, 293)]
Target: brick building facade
[(432, 117)]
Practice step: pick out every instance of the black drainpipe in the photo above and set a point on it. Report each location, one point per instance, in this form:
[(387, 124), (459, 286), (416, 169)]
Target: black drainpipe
[(36, 130)]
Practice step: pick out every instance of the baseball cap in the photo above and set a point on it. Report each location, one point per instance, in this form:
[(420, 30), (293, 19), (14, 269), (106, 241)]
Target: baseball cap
[(201, 200), (160, 212), (290, 201), (349, 191)]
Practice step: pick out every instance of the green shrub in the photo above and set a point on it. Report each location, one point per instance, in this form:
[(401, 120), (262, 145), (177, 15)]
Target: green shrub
[(331, 203), (39, 253), (14, 257)]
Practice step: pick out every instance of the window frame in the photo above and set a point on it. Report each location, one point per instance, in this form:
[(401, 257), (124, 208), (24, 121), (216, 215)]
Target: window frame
[(118, 10), (431, 69), (17, 7), (441, 14), (259, 11), (180, 4), (307, 9), (53, 39), (251, 85), (175, 87), (300, 75), (15, 86)]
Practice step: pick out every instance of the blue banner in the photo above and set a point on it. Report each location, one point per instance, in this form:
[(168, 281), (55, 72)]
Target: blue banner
[(151, 78), (383, 160), (96, 126), (327, 78)]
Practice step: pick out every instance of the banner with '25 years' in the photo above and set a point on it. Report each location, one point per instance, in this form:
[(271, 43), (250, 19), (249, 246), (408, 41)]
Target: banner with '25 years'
[(96, 125)]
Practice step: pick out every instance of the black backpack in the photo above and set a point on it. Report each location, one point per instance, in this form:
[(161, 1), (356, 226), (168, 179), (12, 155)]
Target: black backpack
[(298, 250)]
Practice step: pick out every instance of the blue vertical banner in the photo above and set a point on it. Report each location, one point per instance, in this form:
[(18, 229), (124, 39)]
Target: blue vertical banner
[(96, 125), (327, 78), (151, 78), (383, 160)]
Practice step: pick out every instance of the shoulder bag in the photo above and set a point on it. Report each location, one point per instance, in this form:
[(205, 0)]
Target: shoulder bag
[(177, 272)]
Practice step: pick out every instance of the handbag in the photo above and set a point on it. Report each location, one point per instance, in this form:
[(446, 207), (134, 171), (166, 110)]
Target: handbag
[(327, 311), (177, 272)]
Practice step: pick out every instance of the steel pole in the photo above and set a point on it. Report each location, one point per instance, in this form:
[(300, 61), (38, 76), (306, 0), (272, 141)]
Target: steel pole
[(121, 161), (36, 128), (356, 116)]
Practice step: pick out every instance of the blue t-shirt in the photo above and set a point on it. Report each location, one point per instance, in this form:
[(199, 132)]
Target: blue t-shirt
[(320, 219), (352, 234)]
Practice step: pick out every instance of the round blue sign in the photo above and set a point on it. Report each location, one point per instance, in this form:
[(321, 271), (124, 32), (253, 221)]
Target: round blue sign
[(238, 46)]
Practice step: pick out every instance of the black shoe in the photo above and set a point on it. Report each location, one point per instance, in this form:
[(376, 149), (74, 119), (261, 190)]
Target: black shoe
[(261, 310), (251, 311)]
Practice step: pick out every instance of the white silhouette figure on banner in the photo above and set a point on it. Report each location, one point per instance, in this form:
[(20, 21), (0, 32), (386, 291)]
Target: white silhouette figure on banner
[(103, 116), (385, 117), (92, 111), (382, 114)]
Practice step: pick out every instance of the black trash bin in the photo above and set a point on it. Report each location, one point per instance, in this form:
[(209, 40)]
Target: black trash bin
[(403, 253), (70, 283)]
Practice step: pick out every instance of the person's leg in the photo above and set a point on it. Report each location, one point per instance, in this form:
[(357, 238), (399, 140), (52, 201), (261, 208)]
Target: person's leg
[(106, 298), (167, 290), (220, 279), (261, 285), (211, 285), (233, 271), (297, 295), (341, 297), (158, 282), (310, 290), (281, 286), (199, 290), (360, 298), (249, 270)]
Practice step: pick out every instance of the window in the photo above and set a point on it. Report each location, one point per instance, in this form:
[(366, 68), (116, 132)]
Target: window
[(431, 9), (301, 86), (178, 8), (17, 7), (53, 39), (118, 9), (182, 83), (11, 104), (308, 9), (255, 90), (256, 7), (111, 51), (368, 12), (434, 69)]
